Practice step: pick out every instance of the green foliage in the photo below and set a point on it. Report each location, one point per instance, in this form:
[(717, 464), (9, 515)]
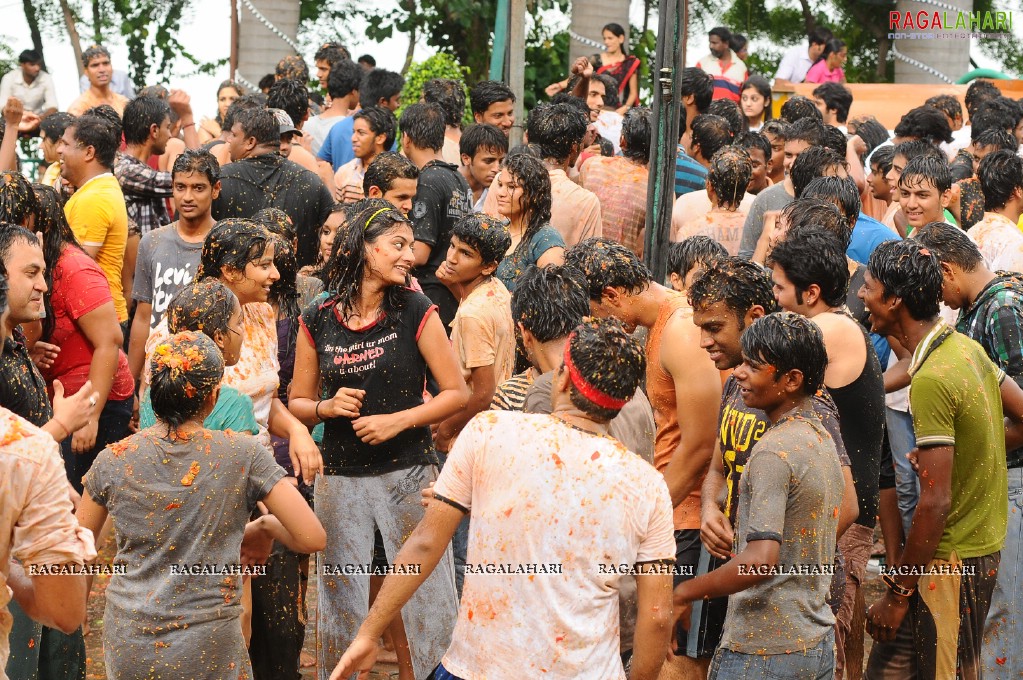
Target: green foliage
[(8, 60), (440, 65), (644, 47), (546, 57), (1006, 52)]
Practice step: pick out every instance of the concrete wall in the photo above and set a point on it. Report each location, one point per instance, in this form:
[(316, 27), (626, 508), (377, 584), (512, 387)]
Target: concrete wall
[(589, 16), (259, 49), (950, 57)]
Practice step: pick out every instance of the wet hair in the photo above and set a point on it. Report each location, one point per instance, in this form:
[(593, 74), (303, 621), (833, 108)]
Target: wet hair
[(721, 32), (202, 306), (284, 293), (698, 83), (369, 220), (261, 124), (345, 77), (787, 342), (243, 103), (1001, 112), (617, 30), (140, 114), (917, 147), (424, 125), (947, 104), (535, 180), (835, 140), (835, 96), (908, 271), (486, 93), (291, 96), (729, 174), (872, 133), (11, 234), (925, 122), (812, 164), (53, 126), (610, 89), (817, 213), (1000, 174), (449, 95), (200, 161), (637, 133), (550, 302), (332, 52), (607, 264), (292, 67), (575, 102), (814, 256), (387, 167), (482, 136), (730, 111), (806, 130), (882, 158), (100, 134), (754, 140), (763, 87), (842, 190), (277, 222), (711, 133), (379, 84), (950, 244), (979, 92), (776, 127), (17, 200), (1000, 139), (589, 347), (558, 129), (381, 122), (93, 52), (740, 283), (692, 252), (798, 107), (485, 234), (927, 168), (185, 370), (234, 242)]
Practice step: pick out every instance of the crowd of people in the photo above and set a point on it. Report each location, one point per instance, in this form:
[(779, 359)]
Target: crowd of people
[(349, 338)]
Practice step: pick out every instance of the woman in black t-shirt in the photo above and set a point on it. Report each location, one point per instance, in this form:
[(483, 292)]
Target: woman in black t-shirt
[(362, 353)]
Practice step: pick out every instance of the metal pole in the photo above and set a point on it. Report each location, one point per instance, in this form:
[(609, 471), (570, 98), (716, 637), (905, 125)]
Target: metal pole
[(500, 41), (667, 104), (517, 64)]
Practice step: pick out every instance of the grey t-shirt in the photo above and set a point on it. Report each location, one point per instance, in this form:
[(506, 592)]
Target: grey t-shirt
[(176, 503), (772, 198), (633, 426), (165, 264), (790, 492)]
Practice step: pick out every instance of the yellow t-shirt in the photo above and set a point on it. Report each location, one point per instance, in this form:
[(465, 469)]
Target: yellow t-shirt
[(98, 217)]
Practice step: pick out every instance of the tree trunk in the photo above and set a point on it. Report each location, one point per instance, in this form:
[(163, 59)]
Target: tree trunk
[(410, 5), (33, 27), (72, 32), (808, 19), (97, 23), (884, 45)]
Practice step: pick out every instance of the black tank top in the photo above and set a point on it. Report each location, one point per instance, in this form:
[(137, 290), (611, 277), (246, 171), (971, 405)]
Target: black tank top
[(384, 360), (861, 419), (208, 146)]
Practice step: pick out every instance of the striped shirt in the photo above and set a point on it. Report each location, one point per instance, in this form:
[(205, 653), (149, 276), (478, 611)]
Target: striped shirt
[(689, 175), (511, 394)]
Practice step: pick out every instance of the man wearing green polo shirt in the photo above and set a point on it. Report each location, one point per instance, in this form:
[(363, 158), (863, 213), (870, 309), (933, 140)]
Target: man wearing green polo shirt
[(930, 621)]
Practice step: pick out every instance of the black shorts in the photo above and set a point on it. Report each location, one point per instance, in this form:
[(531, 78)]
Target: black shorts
[(708, 618), (687, 555)]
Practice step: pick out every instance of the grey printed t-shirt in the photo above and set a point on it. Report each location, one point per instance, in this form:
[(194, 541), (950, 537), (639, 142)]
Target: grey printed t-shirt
[(790, 492), (772, 198), (165, 264), (176, 503)]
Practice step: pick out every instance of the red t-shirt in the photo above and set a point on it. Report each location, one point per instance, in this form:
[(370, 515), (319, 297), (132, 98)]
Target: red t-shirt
[(80, 286)]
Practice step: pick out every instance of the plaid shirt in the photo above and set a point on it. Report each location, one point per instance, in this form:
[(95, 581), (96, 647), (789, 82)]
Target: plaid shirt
[(995, 320), (145, 192)]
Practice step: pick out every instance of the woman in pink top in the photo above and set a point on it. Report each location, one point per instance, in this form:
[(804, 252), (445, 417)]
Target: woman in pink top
[(829, 68)]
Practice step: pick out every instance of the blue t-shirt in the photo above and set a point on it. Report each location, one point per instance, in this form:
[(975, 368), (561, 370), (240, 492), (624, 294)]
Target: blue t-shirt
[(337, 147), (233, 411), (513, 265), (689, 175), (867, 235)]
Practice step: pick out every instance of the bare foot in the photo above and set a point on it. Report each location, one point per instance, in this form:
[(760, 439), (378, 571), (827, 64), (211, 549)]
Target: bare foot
[(307, 660), (86, 629)]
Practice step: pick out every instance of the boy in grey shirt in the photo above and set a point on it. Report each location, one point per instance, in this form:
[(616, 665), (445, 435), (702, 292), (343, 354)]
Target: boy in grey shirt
[(778, 622)]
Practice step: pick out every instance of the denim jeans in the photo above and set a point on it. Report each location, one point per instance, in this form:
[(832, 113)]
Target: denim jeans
[(907, 485), (816, 663), (1003, 628), (112, 428)]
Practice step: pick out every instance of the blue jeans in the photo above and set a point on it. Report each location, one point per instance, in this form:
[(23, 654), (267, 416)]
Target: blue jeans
[(816, 663), (1003, 628), (907, 485), (112, 428)]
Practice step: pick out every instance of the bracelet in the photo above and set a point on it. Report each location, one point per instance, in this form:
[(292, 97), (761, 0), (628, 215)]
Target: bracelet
[(188, 125), (318, 416), (65, 428), (897, 589)]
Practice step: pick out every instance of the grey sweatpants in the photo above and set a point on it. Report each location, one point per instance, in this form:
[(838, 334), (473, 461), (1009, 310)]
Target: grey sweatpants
[(349, 509)]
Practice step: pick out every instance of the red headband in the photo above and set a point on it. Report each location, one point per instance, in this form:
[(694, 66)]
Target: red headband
[(601, 399)]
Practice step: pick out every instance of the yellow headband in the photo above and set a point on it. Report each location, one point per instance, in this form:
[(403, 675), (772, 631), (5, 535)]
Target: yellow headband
[(374, 216)]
